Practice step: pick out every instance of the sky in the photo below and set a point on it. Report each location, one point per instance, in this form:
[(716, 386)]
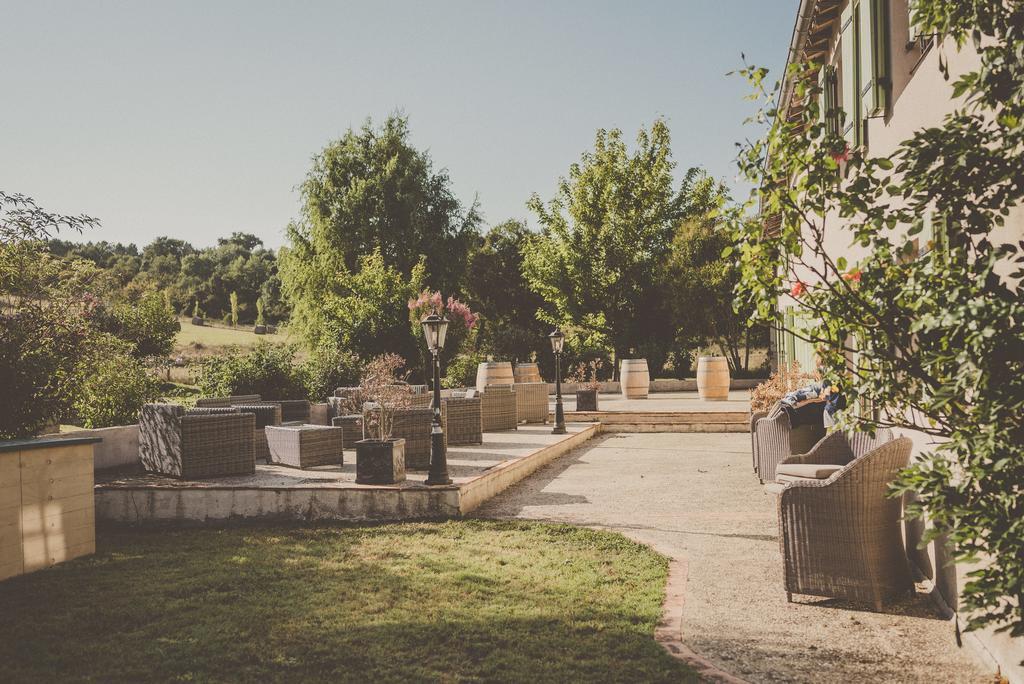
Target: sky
[(197, 119)]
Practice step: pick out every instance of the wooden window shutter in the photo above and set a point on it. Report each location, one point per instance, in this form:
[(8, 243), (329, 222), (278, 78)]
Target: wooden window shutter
[(848, 75), (866, 55), (790, 337)]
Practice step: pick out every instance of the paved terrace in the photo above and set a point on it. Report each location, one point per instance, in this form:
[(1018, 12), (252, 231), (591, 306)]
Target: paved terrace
[(694, 498), (331, 492)]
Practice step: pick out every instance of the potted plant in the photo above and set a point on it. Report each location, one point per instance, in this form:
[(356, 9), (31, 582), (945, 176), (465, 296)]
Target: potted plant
[(197, 315), (584, 374), (380, 459)]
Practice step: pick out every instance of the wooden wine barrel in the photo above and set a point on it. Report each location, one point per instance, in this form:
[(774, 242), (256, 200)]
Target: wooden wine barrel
[(494, 373), (527, 372), (713, 378), (634, 378)]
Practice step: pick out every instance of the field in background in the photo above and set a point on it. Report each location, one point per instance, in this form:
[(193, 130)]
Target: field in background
[(218, 336)]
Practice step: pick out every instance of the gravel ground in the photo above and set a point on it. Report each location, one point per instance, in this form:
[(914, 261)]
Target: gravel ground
[(694, 497)]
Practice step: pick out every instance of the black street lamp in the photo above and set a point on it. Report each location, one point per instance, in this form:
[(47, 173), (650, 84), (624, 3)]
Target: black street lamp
[(557, 340), (435, 328)]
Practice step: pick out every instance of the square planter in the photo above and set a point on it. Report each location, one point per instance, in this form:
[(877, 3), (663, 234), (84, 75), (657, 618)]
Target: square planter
[(380, 463), (586, 400)]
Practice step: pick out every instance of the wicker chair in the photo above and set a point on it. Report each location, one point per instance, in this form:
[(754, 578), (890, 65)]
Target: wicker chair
[(773, 440), (295, 410), (352, 428), (531, 401), (413, 425), (461, 419), (266, 413), (205, 442), (498, 408), (840, 535)]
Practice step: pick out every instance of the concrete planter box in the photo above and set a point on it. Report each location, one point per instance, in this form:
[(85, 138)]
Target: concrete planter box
[(47, 509), (586, 400), (380, 462)]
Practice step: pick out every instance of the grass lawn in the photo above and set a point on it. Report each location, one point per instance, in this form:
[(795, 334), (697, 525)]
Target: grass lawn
[(211, 336), (453, 601)]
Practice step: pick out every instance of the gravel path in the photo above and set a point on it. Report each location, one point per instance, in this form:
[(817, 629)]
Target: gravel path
[(694, 497)]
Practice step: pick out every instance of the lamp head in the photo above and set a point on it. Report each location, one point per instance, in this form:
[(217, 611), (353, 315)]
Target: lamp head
[(557, 338), (435, 329)]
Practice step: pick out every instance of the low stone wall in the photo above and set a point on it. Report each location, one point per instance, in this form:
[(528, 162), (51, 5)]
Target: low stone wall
[(120, 445), (198, 505)]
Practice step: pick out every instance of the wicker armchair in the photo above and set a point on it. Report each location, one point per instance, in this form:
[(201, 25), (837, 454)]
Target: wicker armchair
[(461, 419), (413, 425), (840, 536), (205, 442), (531, 401), (266, 413), (774, 440), (295, 410), (352, 428), (498, 408)]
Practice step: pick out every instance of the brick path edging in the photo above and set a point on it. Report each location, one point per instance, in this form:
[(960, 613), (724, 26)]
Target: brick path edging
[(669, 632)]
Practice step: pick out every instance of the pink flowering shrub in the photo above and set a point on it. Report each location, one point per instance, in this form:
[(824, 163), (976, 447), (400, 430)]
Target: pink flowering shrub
[(433, 302)]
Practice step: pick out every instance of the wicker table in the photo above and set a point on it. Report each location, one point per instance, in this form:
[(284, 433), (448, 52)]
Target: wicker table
[(305, 446)]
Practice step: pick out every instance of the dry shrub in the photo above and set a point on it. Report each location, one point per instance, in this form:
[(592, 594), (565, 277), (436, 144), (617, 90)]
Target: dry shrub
[(387, 389), (788, 378)]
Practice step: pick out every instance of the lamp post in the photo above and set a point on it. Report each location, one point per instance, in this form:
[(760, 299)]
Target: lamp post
[(557, 340), (434, 329)]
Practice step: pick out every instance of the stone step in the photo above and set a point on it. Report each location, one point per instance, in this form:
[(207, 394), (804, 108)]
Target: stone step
[(666, 421)]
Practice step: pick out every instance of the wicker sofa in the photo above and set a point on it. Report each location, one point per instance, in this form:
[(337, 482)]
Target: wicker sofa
[(839, 528), (197, 443), (772, 439), (531, 401), (498, 408)]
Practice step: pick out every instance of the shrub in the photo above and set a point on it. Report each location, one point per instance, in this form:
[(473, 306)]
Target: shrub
[(328, 368), (111, 384), (461, 371), (148, 324), (786, 379), (39, 347), (268, 370)]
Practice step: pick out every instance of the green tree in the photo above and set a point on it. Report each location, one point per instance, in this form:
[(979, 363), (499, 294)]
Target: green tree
[(699, 282), (604, 235), (146, 324), (44, 319), (509, 327), (259, 311), (363, 312), (234, 308), (373, 191), (934, 341)]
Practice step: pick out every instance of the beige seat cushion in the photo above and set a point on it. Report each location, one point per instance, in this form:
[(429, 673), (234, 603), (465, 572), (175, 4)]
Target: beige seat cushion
[(808, 471)]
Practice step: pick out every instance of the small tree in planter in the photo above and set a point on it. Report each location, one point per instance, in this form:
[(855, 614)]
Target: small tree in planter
[(234, 309), (197, 314), (380, 459), (584, 374)]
